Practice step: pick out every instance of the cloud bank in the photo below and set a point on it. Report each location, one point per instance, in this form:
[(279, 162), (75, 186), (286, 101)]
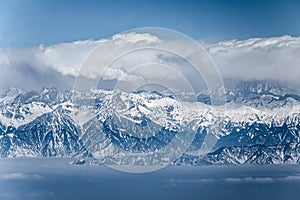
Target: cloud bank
[(276, 58)]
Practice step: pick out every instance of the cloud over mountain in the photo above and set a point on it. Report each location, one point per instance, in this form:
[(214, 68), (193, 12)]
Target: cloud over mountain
[(276, 58)]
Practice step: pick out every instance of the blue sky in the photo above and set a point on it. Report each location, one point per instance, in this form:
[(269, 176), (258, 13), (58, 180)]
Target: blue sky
[(34, 22)]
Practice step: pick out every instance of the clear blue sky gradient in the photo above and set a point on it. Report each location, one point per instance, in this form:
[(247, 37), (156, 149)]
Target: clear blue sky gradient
[(34, 22)]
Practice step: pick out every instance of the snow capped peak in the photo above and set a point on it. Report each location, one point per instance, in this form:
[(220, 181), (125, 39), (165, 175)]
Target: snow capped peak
[(9, 95), (61, 123)]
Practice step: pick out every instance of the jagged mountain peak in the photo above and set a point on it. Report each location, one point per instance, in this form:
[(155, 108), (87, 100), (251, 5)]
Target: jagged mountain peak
[(259, 87)]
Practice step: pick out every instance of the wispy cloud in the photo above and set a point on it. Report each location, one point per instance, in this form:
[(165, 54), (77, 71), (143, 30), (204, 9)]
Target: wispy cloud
[(20, 176), (239, 180), (250, 180)]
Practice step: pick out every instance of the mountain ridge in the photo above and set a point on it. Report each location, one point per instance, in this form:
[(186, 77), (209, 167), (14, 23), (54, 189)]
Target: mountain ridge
[(259, 120)]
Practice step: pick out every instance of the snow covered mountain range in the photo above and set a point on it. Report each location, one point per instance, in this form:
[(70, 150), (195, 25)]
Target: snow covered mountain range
[(260, 123)]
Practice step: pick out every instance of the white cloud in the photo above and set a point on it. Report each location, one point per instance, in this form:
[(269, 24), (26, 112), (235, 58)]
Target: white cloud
[(275, 58), (67, 58), (134, 38), (57, 65), (119, 74)]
